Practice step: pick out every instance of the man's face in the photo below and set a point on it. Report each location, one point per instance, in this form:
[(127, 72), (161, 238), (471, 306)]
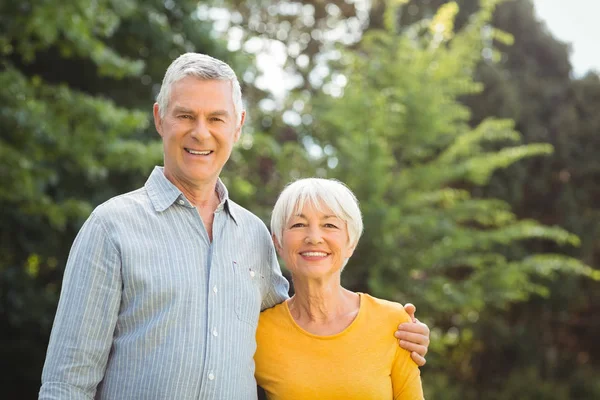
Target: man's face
[(198, 130)]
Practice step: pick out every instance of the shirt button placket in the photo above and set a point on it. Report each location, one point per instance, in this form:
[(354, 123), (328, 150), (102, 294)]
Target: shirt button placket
[(213, 307)]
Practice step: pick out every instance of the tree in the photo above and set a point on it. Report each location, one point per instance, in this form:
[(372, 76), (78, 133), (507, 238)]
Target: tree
[(531, 82), (400, 138)]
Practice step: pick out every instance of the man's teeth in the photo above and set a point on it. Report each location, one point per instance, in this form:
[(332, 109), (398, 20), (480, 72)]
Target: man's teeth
[(314, 254), (198, 153)]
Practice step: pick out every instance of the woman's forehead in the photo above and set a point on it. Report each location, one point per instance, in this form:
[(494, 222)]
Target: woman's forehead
[(309, 206)]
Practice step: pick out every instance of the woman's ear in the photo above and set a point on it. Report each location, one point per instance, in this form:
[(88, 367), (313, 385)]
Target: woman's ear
[(349, 251), (276, 244)]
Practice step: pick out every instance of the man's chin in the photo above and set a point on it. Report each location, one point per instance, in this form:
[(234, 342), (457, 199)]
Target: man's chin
[(193, 176)]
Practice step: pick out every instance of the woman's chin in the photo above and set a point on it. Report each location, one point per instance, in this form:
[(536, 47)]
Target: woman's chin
[(316, 272)]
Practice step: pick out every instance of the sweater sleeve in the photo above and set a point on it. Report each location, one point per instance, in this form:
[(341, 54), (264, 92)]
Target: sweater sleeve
[(406, 376)]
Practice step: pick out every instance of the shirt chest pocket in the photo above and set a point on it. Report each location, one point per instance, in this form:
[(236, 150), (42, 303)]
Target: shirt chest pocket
[(247, 292)]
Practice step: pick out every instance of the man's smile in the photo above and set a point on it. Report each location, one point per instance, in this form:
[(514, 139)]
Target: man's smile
[(198, 152)]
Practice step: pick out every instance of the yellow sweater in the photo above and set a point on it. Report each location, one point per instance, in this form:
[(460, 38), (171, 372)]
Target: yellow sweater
[(362, 362)]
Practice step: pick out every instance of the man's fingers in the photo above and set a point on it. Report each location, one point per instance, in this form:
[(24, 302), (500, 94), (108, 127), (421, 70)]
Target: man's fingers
[(413, 347), (420, 361), (410, 310), (415, 327), (416, 338)]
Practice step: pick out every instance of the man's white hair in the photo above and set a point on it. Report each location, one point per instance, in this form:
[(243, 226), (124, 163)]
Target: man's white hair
[(202, 67), (319, 193)]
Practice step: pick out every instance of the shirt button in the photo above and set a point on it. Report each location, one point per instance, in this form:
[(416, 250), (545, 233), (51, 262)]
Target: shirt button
[(211, 376), (215, 289), (181, 202), (252, 273), (215, 333)]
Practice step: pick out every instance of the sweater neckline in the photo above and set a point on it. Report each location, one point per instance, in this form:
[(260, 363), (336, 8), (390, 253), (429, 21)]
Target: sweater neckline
[(346, 330)]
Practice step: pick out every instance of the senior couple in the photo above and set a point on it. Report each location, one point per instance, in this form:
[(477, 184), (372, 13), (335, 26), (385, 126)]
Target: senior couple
[(164, 286)]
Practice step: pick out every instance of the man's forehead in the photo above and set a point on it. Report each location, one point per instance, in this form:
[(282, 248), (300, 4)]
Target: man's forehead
[(191, 80), (191, 94)]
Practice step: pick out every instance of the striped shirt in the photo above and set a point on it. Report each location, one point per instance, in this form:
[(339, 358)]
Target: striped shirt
[(150, 308)]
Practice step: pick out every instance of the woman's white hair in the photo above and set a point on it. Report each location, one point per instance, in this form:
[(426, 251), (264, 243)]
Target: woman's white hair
[(319, 193), (202, 67)]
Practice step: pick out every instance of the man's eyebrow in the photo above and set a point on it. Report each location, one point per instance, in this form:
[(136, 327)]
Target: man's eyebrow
[(219, 113), (180, 109), (185, 110)]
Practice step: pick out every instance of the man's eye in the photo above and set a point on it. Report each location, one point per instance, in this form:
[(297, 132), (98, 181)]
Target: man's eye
[(215, 119), (185, 116)]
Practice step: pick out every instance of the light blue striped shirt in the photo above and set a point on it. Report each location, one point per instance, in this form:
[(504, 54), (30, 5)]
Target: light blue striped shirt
[(151, 309)]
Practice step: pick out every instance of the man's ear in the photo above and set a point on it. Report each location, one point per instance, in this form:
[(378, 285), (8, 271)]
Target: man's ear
[(157, 119), (238, 131)]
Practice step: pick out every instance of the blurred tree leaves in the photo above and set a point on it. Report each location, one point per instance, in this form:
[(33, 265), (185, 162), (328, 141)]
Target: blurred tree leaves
[(531, 82), (459, 153)]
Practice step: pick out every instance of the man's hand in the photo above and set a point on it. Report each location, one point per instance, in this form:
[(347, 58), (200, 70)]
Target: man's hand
[(414, 336)]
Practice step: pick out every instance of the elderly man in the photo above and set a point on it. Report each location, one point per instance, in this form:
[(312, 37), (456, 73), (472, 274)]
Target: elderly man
[(164, 285)]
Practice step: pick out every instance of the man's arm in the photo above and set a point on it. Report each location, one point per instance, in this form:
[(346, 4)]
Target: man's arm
[(414, 336), (85, 320), (278, 287)]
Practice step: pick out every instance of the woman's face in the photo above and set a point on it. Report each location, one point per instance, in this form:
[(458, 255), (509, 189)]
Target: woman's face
[(315, 243)]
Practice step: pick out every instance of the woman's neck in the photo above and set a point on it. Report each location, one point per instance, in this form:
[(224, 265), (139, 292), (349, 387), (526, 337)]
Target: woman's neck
[(323, 308)]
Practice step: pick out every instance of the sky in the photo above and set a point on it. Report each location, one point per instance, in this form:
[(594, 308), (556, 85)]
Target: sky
[(575, 22)]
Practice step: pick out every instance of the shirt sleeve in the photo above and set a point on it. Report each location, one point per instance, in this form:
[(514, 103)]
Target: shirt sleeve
[(85, 320), (277, 291), (406, 376)]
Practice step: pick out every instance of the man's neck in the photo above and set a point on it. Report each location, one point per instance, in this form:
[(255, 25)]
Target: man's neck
[(203, 196), (200, 194)]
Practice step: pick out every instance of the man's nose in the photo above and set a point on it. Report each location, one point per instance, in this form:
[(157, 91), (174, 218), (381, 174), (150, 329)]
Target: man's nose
[(200, 130)]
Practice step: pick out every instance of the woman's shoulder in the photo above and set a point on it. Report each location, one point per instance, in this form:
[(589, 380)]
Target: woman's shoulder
[(385, 309), (273, 313)]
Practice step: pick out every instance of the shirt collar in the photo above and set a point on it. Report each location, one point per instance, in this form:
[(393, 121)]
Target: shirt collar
[(163, 193), (225, 202)]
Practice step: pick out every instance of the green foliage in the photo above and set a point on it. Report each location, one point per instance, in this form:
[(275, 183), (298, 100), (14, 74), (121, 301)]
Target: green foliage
[(402, 141), (77, 28), (54, 133)]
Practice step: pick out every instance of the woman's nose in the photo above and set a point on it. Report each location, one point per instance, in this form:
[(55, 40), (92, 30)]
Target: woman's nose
[(313, 237)]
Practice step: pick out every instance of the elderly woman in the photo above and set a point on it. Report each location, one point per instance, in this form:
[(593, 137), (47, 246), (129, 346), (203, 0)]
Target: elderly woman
[(327, 342)]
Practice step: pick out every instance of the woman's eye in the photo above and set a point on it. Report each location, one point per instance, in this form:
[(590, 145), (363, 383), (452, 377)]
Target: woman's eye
[(330, 226), (297, 225)]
